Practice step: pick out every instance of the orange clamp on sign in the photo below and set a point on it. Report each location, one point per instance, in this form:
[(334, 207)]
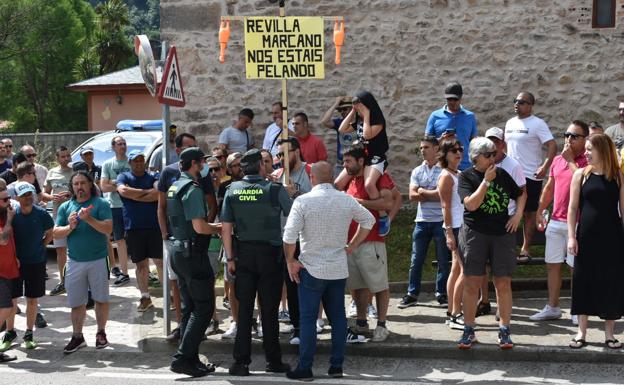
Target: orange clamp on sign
[(224, 36), (339, 32)]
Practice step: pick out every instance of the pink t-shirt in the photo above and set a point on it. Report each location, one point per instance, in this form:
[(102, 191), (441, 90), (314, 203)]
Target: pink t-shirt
[(563, 178)]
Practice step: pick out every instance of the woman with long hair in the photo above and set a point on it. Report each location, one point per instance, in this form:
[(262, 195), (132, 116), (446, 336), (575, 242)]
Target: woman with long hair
[(449, 157), (597, 242)]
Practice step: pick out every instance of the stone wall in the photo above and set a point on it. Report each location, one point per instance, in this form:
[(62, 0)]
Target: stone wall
[(46, 143), (405, 51)]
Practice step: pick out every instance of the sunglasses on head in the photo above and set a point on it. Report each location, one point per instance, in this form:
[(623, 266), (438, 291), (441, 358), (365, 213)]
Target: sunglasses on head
[(489, 155), (455, 150), (572, 135), (521, 102)]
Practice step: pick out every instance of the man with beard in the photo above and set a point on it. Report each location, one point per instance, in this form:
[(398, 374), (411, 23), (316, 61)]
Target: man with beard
[(86, 221), (8, 263)]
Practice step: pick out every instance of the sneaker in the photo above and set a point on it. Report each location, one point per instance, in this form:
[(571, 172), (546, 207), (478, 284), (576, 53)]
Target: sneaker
[(40, 322), (371, 311), (408, 300), (283, 316), (504, 338), (457, 322), (467, 339), (547, 313), (238, 369), (58, 289), (362, 329), (116, 271), (335, 372), (442, 298), (354, 338), (29, 342), (213, 327), (7, 340), (574, 320), (294, 338), (230, 334), (484, 308), (226, 303), (277, 367), (192, 369), (152, 277), (320, 326), (74, 344), (287, 329), (174, 336), (144, 304), (121, 280), (352, 310), (100, 340), (259, 332), (7, 357), (384, 225), (300, 374), (381, 334)]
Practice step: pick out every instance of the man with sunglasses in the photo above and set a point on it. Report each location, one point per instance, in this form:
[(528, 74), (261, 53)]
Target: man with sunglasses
[(557, 192), (344, 140), (453, 120), (8, 145), (525, 135)]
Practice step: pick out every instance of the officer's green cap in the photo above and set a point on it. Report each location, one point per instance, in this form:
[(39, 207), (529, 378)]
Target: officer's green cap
[(191, 153), (251, 156)]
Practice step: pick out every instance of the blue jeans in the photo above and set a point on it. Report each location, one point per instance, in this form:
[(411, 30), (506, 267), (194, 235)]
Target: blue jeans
[(311, 291), (424, 232)]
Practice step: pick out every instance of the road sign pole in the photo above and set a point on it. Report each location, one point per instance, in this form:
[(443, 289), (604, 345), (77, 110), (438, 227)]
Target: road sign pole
[(165, 160)]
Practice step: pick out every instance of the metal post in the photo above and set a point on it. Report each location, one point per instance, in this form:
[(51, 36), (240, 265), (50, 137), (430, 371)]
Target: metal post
[(165, 161)]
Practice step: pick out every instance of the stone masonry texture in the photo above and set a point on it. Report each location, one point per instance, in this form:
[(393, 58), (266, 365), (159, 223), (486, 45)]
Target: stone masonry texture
[(404, 52)]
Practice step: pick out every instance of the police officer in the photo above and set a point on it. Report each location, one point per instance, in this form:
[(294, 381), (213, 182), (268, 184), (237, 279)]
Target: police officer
[(252, 208), (188, 248)]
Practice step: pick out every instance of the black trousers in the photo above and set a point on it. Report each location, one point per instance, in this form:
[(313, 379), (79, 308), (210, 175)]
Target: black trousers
[(258, 269), (196, 282)]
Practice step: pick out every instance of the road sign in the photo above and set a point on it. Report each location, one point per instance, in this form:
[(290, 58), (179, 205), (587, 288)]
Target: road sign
[(284, 47), (171, 91), (143, 50)]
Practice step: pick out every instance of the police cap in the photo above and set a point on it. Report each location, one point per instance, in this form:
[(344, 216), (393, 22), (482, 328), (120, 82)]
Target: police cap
[(251, 156), (191, 153)]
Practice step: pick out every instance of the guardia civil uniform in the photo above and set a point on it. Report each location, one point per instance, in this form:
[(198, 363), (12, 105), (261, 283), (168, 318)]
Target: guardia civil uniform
[(254, 206)]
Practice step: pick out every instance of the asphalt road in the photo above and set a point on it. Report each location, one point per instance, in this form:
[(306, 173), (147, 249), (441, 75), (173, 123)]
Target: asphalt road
[(129, 368)]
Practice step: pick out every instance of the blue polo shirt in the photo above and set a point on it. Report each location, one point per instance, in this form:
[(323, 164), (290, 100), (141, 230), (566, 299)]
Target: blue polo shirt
[(29, 233), (464, 123), (138, 215)]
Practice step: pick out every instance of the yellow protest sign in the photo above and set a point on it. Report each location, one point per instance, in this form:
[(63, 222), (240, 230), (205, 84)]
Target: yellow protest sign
[(284, 48)]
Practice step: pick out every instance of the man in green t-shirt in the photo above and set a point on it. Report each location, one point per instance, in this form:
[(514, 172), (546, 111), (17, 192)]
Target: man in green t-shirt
[(86, 222)]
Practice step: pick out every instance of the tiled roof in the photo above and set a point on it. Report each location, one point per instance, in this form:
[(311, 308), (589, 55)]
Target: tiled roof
[(129, 76)]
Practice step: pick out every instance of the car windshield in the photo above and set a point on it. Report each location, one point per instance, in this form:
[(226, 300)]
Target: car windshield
[(102, 145)]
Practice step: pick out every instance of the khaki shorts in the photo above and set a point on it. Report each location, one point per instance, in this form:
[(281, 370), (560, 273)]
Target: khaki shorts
[(368, 267)]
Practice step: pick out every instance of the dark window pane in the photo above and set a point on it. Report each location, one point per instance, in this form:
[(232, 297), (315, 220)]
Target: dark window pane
[(604, 14)]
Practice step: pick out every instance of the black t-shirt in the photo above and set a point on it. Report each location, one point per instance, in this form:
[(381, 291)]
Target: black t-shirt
[(492, 216), (221, 193), (9, 176), (171, 174), (95, 171)]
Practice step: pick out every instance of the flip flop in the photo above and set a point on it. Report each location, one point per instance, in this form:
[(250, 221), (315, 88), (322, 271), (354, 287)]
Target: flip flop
[(613, 344), (577, 343), (523, 258)]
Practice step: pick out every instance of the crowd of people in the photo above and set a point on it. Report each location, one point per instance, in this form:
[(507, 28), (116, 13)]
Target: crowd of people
[(290, 243)]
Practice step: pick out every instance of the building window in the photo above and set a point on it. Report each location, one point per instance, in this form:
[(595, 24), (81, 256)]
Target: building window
[(603, 14)]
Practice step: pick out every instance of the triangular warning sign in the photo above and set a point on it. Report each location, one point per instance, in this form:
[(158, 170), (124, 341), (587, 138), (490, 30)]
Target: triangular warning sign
[(171, 91)]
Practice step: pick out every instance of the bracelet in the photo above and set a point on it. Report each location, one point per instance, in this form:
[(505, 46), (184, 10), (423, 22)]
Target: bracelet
[(487, 183)]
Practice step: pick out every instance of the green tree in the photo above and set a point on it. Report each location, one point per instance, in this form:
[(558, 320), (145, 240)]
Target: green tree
[(112, 45)]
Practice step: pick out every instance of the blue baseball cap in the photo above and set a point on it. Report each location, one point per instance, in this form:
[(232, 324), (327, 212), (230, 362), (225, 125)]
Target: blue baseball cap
[(23, 188), (135, 154)]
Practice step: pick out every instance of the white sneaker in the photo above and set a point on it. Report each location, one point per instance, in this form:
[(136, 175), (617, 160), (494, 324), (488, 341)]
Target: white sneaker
[(371, 311), (352, 310), (287, 329), (320, 325), (380, 334), (230, 334), (575, 320), (259, 332), (548, 313)]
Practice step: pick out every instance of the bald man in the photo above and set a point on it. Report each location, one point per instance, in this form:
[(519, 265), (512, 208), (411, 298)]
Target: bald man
[(321, 220)]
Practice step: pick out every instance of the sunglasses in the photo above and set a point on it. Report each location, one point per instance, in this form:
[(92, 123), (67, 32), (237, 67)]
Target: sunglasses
[(8, 145), (5, 200), (489, 155), (456, 150), (520, 102), (31, 155), (214, 169), (572, 135)]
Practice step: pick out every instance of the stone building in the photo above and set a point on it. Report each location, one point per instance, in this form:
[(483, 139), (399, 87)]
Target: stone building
[(404, 52)]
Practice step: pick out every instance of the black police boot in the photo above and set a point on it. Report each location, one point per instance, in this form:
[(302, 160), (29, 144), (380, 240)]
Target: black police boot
[(239, 369), (277, 367), (190, 368)]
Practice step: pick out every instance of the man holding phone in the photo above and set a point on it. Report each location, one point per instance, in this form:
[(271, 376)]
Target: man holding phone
[(453, 120)]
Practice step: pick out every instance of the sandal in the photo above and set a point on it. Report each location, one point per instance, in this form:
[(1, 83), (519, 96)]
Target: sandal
[(484, 308), (524, 258), (613, 344), (577, 343)]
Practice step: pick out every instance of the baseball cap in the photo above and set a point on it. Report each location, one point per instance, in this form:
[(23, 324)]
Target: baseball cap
[(251, 156), (191, 153), (86, 150), (135, 154), (22, 188), (495, 132), (453, 90)]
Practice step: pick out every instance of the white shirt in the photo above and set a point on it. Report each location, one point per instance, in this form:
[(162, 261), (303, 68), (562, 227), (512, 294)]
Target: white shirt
[(514, 169), (269, 142), (525, 138), (321, 219)]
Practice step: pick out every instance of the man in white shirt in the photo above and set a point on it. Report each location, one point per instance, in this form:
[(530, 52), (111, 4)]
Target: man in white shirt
[(237, 137), (525, 135), (321, 219), (274, 130)]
